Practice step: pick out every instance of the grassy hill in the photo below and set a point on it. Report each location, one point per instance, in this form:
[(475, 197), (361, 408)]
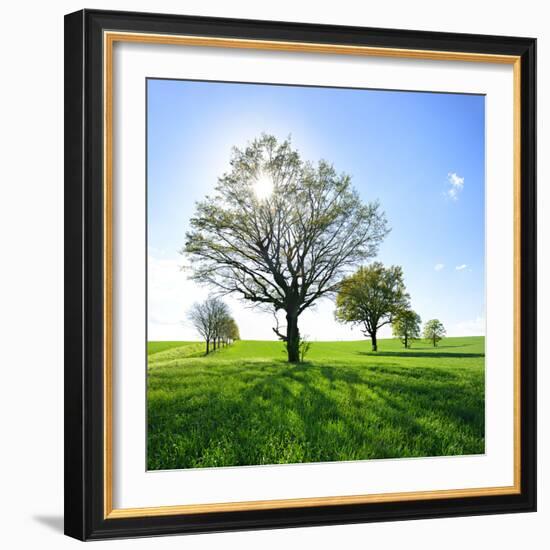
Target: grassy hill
[(156, 347), (245, 405)]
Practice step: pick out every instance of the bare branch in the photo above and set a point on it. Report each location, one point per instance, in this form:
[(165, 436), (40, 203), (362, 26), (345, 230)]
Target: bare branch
[(289, 249)]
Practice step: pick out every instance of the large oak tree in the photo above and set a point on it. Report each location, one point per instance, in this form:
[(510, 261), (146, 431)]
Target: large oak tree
[(281, 232)]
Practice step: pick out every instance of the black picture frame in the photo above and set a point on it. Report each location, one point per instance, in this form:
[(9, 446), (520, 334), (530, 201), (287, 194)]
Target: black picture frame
[(84, 281)]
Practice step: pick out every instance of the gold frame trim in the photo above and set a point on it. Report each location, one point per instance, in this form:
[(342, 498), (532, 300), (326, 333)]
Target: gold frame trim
[(109, 38)]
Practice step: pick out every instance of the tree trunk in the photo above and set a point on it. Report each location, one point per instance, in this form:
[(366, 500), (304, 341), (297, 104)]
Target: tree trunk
[(435, 343), (373, 340), (207, 346), (406, 341), (293, 338)]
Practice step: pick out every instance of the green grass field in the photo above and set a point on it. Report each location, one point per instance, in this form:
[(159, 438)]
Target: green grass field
[(245, 405), (156, 347)]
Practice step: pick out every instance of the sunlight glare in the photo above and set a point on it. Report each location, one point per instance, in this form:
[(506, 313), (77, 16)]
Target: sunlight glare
[(263, 186)]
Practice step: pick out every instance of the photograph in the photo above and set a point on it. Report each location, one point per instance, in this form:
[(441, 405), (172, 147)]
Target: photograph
[(315, 274)]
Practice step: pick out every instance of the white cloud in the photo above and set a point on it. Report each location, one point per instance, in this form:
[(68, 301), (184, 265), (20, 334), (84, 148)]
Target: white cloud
[(455, 180), (470, 327), (169, 299), (456, 183), (171, 294)]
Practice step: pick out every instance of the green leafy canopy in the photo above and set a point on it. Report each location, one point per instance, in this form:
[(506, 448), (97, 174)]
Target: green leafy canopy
[(406, 326), (434, 330), (372, 297)]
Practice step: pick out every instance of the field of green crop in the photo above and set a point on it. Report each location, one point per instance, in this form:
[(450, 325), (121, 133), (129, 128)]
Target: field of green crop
[(244, 405), (156, 347)]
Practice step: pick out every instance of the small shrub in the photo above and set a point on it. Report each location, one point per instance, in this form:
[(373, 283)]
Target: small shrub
[(305, 346)]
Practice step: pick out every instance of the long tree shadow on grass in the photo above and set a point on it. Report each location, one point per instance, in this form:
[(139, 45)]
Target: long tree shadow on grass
[(434, 354), (418, 406), (338, 409), (271, 414)]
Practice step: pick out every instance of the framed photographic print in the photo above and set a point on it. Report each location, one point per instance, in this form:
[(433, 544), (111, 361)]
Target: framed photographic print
[(300, 274)]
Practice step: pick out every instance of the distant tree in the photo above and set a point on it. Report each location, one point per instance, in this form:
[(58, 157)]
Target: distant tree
[(233, 331), (201, 318), (224, 331), (220, 318), (406, 326), (371, 298), (229, 330), (210, 319), (280, 232), (434, 331)]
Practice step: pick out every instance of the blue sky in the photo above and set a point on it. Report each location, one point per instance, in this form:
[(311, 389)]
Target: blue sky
[(420, 154)]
